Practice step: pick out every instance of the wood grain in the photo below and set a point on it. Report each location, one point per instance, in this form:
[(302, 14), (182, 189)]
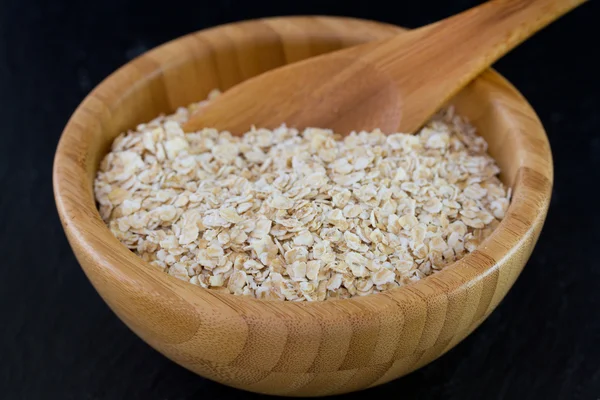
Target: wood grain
[(395, 84), (288, 348)]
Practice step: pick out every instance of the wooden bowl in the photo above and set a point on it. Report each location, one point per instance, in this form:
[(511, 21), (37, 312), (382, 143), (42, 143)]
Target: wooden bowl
[(288, 348)]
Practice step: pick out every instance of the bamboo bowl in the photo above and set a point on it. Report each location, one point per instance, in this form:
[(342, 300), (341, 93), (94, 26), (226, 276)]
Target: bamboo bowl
[(289, 348)]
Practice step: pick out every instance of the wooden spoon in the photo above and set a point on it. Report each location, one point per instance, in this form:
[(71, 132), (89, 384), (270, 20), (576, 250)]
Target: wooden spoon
[(395, 84)]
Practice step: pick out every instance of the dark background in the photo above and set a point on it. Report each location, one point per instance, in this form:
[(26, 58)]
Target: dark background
[(59, 340)]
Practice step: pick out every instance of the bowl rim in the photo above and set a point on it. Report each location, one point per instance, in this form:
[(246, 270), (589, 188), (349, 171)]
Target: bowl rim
[(87, 232)]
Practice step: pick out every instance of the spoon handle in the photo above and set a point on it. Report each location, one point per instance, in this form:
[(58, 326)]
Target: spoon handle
[(459, 48)]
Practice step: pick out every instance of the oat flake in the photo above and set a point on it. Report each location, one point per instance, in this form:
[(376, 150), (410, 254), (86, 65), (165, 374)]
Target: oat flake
[(290, 215)]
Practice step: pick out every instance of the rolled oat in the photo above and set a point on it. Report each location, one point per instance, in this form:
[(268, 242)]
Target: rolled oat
[(290, 215)]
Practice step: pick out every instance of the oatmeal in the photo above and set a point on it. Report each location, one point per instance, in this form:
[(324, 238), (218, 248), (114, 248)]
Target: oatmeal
[(300, 215)]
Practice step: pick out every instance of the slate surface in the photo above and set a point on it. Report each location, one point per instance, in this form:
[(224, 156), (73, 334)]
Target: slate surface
[(59, 340)]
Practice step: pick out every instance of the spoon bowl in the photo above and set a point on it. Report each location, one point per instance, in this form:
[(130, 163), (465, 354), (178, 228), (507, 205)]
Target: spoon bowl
[(287, 348)]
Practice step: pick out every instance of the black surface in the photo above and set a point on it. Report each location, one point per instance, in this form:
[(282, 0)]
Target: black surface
[(59, 340)]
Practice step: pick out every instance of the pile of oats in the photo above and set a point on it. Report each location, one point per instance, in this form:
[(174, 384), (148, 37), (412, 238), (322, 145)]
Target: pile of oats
[(289, 215)]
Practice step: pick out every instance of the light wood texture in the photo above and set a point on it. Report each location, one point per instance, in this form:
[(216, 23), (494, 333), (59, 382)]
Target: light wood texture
[(394, 84), (290, 348)]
